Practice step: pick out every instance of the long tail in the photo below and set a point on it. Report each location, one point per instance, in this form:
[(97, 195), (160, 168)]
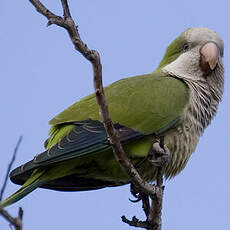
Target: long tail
[(32, 183)]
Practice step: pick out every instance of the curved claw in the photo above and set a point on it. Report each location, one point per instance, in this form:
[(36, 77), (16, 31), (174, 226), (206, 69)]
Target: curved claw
[(135, 201), (134, 191), (136, 195)]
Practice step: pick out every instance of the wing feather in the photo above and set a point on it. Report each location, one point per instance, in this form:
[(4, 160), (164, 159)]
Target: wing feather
[(144, 103)]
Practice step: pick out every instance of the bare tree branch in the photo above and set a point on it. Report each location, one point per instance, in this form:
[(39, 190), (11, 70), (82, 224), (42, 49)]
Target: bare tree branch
[(69, 25), (7, 216), (10, 167), (65, 6), (155, 193), (16, 222)]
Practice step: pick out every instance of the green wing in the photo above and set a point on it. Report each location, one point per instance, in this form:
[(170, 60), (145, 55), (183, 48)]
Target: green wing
[(149, 103), (85, 137)]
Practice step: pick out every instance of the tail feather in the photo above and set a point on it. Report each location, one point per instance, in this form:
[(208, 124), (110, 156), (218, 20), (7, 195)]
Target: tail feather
[(31, 184)]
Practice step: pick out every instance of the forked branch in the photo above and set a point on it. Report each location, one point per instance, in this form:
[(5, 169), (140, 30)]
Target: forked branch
[(16, 222)]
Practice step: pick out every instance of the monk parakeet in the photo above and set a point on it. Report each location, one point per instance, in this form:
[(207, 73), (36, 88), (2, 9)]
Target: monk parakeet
[(178, 100)]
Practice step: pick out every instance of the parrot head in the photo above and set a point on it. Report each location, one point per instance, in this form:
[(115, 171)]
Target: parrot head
[(194, 54), (196, 58), (196, 49)]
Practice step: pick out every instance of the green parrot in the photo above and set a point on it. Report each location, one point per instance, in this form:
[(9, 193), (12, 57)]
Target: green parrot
[(178, 101)]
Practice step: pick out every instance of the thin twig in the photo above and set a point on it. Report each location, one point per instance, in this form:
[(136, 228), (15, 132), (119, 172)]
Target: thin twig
[(69, 25), (7, 216), (19, 219), (16, 222), (65, 6), (10, 167)]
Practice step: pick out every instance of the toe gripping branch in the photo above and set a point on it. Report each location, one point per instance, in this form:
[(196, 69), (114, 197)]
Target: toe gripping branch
[(159, 155)]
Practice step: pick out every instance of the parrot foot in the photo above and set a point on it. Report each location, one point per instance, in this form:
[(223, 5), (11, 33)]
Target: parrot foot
[(159, 155), (135, 193), (135, 222), (140, 196)]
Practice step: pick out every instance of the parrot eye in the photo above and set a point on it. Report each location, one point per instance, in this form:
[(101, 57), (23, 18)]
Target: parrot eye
[(186, 46)]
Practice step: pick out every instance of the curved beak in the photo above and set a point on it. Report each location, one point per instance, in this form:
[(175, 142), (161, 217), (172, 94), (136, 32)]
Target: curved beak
[(209, 56)]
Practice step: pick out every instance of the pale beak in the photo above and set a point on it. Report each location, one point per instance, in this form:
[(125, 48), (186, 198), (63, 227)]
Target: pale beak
[(209, 56)]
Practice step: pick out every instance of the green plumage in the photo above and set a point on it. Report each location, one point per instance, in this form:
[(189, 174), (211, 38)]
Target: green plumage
[(146, 103)]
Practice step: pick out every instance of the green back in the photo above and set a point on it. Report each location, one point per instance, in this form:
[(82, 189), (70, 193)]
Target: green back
[(147, 103)]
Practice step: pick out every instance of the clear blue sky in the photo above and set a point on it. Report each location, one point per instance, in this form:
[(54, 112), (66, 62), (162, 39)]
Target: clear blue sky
[(41, 74)]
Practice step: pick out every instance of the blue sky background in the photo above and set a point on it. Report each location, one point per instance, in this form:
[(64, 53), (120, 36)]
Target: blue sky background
[(41, 74)]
